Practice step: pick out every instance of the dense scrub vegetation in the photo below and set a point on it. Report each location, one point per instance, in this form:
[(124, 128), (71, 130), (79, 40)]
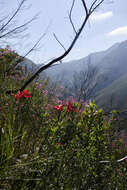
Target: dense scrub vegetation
[(50, 143)]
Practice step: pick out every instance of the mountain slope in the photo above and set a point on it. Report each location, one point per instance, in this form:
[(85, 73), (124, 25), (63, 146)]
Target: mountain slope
[(111, 63), (112, 70), (115, 95), (69, 68)]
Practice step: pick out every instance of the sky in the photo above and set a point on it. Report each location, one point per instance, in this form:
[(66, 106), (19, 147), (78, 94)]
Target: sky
[(107, 26)]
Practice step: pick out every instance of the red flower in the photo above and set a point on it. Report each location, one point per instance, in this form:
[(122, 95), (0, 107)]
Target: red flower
[(59, 107), (70, 107), (25, 94), (18, 95)]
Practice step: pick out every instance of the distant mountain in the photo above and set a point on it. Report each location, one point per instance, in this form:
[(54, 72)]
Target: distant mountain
[(112, 69), (114, 96), (112, 66), (28, 65), (114, 63), (104, 60)]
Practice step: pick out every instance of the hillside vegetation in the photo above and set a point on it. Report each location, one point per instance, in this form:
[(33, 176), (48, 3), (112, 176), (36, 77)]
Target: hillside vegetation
[(51, 143), (115, 92)]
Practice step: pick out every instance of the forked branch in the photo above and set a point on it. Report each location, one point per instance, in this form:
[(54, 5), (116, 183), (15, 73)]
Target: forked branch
[(70, 16), (18, 60), (13, 16), (8, 23), (59, 41), (93, 7)]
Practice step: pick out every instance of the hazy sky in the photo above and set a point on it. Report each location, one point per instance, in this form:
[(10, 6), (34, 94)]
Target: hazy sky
[(107, 26)]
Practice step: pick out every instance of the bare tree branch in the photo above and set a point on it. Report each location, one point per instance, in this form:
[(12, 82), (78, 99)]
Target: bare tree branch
[(13, 16), (94, 2), (8, 28), (56, 59), (85, 7), (84, 83), (21, 58), (59, 58), (59, 41), (93, 8), (35, 45), (17, 29), (70, 17)]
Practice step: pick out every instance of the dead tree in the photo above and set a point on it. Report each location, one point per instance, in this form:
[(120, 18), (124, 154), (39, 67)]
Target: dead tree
[(87, 13), (85, 82)]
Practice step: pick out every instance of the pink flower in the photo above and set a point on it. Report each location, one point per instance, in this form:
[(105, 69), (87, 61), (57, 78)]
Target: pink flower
[(6, 52), (59, 107), (86, 104), (45, 92), (59, 101)]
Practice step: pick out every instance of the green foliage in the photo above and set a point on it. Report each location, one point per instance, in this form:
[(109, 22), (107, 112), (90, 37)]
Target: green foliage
[(10, 74), (42, 147)]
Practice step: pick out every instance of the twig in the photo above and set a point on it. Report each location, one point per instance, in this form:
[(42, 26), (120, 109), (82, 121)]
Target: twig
[(21, 58), (107, 161), (92, 10), (92, 5), (70, 17), (59, 41), (12, 17), (85, 7), (20, 179), (14, 30)]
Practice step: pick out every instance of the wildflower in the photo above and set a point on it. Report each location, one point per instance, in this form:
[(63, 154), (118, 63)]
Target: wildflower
[(18, 95), (59, 107), (86, 104), (45, 92), (25, 94), (70, 107), (6, 52), (59, 101)]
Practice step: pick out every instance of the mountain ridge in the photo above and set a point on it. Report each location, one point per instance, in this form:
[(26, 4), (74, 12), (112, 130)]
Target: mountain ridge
[(111, 64)]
